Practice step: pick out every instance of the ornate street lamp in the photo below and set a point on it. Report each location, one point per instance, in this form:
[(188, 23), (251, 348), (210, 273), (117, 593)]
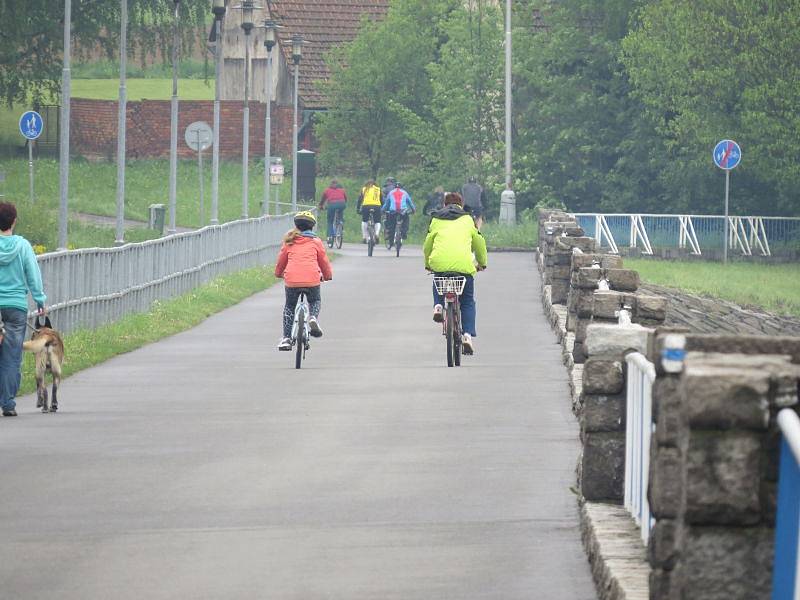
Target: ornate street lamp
[(270, 39), (246, 7), (218, 8), (297, 54)]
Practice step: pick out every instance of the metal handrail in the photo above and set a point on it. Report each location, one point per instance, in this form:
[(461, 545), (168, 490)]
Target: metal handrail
[(641, 374), (786, 567), (90, 287)]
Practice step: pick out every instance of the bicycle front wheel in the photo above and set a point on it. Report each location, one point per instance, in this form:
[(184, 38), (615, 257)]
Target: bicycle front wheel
[(456, 335), (301, 339), (449, 328)]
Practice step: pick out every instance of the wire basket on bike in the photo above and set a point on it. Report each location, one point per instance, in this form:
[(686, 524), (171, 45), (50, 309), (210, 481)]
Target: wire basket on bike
[(449, 285)]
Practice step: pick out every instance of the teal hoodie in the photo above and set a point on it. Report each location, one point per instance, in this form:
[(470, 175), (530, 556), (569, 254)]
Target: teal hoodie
[(19, 272)]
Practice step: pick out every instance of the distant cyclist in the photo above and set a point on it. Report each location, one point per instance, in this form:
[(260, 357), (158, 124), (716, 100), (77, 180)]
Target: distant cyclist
[(474, 200), (398, 201), (369, 202), (449, 247), (334, 198), (302, 263)]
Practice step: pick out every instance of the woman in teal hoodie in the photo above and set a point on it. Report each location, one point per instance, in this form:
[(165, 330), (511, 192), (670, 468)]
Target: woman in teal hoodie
[(19, 274)]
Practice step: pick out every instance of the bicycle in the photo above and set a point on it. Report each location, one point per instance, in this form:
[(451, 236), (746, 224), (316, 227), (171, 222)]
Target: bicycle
[(398, 230), (450, 286), (372, 238), (338, 229), (301, 334)]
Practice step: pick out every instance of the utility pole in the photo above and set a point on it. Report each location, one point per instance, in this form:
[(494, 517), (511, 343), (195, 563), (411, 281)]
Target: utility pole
[(219, 14), (508, 94), (270, 28), (173, 135), (122, 122), (66, 93)]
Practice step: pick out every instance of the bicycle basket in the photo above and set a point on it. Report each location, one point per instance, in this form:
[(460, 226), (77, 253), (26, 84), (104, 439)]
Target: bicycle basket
[(449, 285)]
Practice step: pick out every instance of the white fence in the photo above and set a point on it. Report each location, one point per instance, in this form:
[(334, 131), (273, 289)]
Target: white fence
[(94, 286), (638, 431), (748, 236)]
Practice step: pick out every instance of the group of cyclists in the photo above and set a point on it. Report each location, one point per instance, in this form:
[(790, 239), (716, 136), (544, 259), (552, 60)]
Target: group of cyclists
[(453, 244)]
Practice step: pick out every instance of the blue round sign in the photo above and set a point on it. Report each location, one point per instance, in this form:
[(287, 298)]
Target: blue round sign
[(727, 155), (31, 125)]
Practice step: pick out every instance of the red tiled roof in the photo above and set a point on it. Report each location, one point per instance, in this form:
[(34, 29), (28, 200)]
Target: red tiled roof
[(324, 24)]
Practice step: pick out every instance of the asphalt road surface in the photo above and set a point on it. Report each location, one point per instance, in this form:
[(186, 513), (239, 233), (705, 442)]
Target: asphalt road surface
[(206, 467)]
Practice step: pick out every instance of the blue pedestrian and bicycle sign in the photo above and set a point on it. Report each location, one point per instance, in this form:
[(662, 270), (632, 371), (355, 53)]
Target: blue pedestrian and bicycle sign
[(727, 154), (31, 125)]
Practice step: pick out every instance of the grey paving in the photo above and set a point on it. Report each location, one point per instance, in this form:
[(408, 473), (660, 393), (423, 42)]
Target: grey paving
[(205, 466)]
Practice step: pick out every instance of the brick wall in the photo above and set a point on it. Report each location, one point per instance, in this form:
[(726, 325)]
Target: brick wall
[(93, 128)]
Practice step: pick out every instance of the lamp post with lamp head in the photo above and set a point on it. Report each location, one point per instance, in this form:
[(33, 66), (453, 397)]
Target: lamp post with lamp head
[(173, 129), (297, 54), (247, 7), (218, 8), (270, 39)]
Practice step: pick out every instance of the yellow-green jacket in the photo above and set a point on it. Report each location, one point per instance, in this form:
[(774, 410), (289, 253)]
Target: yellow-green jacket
[(452, 239)]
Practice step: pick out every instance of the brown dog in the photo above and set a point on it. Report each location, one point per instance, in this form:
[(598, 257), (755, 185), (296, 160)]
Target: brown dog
[(48, 348)]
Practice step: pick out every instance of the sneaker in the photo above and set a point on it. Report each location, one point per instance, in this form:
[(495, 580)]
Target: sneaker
[(466, 344), (9, 413), (438, 313), (313, 326), (285, 344)]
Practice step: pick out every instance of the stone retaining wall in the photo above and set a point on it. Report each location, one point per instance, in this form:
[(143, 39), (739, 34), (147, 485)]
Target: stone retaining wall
[(713, 474)]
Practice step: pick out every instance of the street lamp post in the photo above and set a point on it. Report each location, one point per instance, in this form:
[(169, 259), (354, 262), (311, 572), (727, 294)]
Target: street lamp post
[(297, 54), (270, 29), (508, 94), (173, 136), (121, 122), (218, 9), (63, 151), (247, 25)]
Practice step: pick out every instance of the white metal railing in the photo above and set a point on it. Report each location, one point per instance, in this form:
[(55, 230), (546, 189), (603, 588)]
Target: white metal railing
[(638, 430), (90, 287), (747, 235), (786, 567)]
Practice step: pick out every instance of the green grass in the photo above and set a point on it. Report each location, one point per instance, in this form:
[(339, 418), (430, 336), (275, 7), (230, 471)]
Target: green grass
[(109, 69), (140, 89), (88, 348), (775, 288), (524, 234)]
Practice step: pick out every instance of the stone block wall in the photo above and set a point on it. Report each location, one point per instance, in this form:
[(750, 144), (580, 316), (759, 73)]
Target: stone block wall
[(714, 465), (559, 234)]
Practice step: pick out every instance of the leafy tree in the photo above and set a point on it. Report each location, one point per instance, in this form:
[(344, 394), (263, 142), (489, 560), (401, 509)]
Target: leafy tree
[(722, 69), (31, 47), (380, 89)]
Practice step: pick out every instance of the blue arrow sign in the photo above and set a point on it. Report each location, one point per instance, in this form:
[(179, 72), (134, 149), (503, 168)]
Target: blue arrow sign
[(727, 155), (31, 125)]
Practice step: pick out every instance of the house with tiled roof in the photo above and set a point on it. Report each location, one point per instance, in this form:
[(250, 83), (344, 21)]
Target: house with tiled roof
[(323, 24)]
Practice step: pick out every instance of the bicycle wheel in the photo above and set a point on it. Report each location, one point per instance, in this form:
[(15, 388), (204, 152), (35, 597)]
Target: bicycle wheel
[(456, 334), (450, 318), (398, 236), (301, 339), (338, 236)]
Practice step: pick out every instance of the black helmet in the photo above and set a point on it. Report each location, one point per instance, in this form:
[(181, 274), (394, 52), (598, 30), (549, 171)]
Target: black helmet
[(389, 180), (397, 184)]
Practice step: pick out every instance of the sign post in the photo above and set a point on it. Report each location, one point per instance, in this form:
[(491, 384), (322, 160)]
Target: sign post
[(199, 137), (727, 156), (276, 174), (31, 126)]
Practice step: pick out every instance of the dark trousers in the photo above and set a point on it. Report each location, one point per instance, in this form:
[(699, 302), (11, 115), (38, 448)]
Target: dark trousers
[(292, 296), (11, 355), (391, 221), (467, 303), (333, 209)]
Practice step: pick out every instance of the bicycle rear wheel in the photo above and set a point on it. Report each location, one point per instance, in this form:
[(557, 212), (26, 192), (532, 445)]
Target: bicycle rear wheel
[(301, 339), (398, 236), (449, 327), (338, 236), (370, 243), (456, 334)]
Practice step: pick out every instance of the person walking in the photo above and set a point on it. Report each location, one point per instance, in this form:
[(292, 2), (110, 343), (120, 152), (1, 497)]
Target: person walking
[(334, 198), (19, 275), (474, 199), (435, 201), (370, 201), (449, 247)]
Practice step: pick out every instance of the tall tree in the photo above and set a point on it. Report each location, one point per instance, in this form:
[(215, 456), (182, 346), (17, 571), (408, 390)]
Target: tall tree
[(723, 69), (31, 46)]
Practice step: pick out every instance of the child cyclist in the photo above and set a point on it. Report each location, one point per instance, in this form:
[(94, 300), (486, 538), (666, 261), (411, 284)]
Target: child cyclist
[(302, 263)]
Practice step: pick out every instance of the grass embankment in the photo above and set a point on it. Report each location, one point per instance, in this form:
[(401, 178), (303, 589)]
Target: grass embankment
[(775, 288), (88, 348), (143, 89)]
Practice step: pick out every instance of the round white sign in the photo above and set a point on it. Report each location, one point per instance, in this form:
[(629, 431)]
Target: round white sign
[(199, 136)]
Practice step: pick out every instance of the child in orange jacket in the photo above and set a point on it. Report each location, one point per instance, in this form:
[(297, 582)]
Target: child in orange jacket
[(302, 263)]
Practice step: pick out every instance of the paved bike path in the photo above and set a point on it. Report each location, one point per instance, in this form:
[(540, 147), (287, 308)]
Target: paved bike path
[(205, 466)]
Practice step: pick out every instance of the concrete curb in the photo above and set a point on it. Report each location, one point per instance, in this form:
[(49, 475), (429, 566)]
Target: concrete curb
[(611, 539)]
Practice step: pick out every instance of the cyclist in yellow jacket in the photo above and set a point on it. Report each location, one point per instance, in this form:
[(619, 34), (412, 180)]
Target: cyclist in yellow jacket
[(449, 247), (370, 201)]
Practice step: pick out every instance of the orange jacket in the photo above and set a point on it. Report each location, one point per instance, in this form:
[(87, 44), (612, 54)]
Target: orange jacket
[(303, 261)]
